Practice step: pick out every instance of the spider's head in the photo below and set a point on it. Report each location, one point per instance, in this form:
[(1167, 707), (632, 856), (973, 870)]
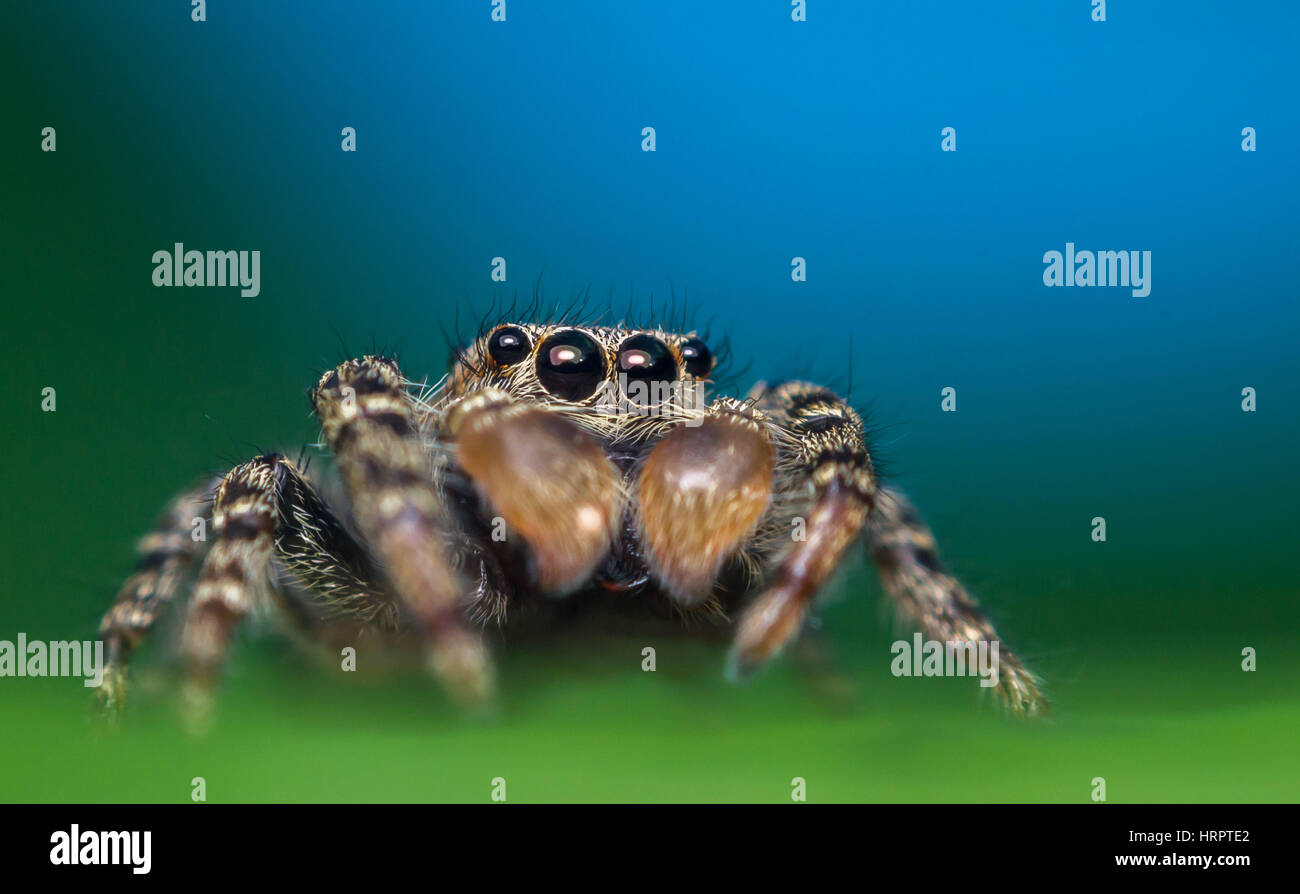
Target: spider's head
[(584, 365)]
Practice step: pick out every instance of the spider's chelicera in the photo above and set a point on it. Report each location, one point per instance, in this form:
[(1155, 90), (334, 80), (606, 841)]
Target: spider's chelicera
[(511, 486)]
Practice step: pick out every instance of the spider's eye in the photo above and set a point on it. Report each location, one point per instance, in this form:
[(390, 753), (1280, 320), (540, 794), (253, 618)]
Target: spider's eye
[(699, 359), (646, 359), (570, 365), (508, 345)]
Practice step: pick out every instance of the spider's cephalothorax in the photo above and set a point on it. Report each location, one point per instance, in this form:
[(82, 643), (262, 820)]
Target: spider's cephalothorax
[(556, 463)]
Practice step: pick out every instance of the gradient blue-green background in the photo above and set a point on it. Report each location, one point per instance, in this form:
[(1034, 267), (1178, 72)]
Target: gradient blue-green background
[(522, 140)]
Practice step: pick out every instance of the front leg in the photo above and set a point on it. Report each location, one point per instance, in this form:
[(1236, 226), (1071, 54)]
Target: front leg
[(830, 451), (369, 422), (828, 454)]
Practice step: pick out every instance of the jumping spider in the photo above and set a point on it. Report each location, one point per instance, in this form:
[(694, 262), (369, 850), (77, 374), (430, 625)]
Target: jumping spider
[(513, 483)]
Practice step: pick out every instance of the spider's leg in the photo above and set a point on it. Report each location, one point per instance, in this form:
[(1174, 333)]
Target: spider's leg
[(235, 573), (829, 455), (265, 508), (337, 576), (701, 492), (548, 480), (928, 598), (163, 557), (368, 420)]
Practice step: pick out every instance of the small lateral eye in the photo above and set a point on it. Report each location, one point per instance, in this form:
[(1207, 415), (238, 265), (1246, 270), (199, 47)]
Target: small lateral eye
[(570, 365), (508, 345), (699, 359)]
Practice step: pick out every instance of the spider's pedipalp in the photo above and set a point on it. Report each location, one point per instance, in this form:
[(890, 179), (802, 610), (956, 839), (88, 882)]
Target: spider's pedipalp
[(369, 421), (701, 492), (547, 479)]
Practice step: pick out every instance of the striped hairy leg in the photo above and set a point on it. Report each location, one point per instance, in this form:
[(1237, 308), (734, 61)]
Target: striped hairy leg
[(265, 509), (369, 421), (825, 459), (928, 598), (164, 555)]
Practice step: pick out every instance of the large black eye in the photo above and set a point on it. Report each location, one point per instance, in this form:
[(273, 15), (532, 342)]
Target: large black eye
[(642, 358), (570, 365), (508, 345), (699, 359), (646, 358)]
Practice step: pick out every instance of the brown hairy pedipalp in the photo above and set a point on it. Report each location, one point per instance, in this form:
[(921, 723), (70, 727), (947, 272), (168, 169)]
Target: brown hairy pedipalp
[(701, 493), (549, 481)]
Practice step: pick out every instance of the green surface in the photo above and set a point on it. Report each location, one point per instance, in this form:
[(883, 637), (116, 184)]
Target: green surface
[(1158, 725)]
